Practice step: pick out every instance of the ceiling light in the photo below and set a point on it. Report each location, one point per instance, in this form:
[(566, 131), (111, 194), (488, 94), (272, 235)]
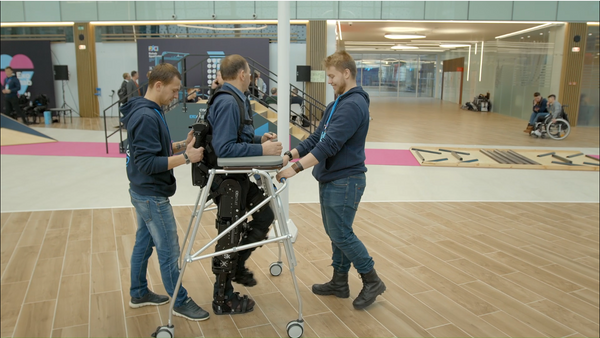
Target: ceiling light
[(340, 29), (35, 24), (189, 22), (593, 23), (453, 46), (404, 47), (225, 29), (404, 36), (424, 44), (525, 30)]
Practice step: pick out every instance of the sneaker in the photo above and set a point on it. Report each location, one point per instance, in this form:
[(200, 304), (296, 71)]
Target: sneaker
[(190, 310), (150, 298)]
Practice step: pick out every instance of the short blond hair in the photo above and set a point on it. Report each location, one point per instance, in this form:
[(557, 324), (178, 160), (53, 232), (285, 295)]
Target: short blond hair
[(341, 60)]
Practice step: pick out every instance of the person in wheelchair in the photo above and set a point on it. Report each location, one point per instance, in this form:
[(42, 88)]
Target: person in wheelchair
[(235, 194), (540, 109), (555, 119)]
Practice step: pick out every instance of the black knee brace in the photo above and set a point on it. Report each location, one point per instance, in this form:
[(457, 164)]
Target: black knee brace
[(229, 197)]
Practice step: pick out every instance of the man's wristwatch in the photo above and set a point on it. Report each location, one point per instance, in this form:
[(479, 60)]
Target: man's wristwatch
[(187, 159), (297, 166), (289, 154)]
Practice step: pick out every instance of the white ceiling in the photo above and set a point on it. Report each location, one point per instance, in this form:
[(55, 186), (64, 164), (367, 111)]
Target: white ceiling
[(369, 36)]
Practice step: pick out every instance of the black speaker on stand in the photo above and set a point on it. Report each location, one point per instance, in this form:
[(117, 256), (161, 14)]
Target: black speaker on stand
[(303, 74), (61, 73)]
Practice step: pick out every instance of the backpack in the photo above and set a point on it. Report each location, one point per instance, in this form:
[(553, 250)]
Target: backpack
[(203, 132), (123, 91), (41, 100)]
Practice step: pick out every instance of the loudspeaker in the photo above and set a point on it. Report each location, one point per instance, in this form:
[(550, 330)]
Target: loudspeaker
[(303, 73), (61, 73)]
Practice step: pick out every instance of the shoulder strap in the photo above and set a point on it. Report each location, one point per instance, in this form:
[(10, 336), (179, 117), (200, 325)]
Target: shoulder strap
[(241, 106)]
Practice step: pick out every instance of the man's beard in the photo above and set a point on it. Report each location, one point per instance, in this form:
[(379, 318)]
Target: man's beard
[(341, 89)]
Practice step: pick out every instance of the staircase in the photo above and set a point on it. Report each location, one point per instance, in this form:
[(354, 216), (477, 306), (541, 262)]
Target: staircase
[(265, 120)]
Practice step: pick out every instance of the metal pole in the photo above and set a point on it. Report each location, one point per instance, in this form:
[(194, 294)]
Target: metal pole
[(417, 69), (283, 80)]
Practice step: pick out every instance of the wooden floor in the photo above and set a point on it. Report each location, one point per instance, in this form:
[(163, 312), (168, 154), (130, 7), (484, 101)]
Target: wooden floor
[(451, 269), (423, 120), (410, 120), (82, 123)]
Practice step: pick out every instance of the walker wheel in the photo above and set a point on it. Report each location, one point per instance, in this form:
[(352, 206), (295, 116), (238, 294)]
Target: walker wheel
[(275, 269), (295, 329), (164, 332)]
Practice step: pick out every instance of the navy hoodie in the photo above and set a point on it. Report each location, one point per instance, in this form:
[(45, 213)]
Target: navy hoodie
[(148, 148), (341, 153)]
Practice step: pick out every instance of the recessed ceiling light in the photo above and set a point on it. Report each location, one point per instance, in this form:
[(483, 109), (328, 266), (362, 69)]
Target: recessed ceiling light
[(404, 36), (453, 46), (404, 47), (541, 33)]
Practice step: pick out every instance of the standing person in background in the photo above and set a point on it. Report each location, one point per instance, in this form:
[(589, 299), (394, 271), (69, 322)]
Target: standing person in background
[(123, 90), (337, 150), (217, 83), (260, 85), (12, 85), (132, 86)]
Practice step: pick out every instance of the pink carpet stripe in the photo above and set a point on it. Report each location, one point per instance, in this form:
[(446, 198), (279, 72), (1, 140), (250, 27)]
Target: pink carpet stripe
[(394, 157), (390, 157), (79, 149), (95, 149)]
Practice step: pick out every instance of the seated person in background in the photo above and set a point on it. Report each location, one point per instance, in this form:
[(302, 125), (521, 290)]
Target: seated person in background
[(294, 98), (539, 109), (554, 108), (273, 98), (192, 95)]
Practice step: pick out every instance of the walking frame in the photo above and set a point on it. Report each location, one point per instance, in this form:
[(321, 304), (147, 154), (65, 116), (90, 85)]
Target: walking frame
[(256, 165)]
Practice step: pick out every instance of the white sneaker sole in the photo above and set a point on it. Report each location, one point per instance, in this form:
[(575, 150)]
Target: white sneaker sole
[(137, 306), (189, 318)]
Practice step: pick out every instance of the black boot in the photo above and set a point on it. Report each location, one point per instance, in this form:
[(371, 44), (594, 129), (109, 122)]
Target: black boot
[(372, 287), (337, 286)]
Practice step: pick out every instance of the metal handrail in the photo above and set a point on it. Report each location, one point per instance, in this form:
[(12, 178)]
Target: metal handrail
[(313, 103)]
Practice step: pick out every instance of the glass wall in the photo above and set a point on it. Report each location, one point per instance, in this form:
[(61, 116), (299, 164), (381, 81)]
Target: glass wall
[(399, 75), (524, 65), (590, 83)]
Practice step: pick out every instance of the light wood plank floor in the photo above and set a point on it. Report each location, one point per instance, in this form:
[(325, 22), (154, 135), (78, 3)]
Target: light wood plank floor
[(451, 269), (410, 120)]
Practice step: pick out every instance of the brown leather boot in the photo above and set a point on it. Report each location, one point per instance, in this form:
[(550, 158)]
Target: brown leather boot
[(528, 129)]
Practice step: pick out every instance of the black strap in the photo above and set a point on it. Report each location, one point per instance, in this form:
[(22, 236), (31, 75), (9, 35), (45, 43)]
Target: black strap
[(241, 107)]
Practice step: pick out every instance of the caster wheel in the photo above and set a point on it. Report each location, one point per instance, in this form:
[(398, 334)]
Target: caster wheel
[(164, 332), (295, 329), (275, 269)]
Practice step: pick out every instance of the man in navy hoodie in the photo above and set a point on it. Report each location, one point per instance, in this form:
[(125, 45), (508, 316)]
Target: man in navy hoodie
[(150, 162), (236, 194), (337, 150), (12, 85)]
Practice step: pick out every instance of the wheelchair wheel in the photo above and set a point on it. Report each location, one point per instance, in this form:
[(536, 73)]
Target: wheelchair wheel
[(559, 129)]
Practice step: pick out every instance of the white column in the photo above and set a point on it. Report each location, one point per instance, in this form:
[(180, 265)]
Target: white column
[(557, 35), (283, 81), (331, 48)]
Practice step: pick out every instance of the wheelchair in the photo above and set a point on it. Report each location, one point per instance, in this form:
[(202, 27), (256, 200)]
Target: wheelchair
[(558, 130)]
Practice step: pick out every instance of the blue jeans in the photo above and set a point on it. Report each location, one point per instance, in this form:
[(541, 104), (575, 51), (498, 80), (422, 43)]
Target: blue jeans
[(156, 227), (534, 117), (339, 202)]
